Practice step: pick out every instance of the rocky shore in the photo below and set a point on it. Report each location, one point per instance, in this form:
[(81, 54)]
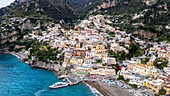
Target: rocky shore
[(44, 66), (108, 90), (38, 64)]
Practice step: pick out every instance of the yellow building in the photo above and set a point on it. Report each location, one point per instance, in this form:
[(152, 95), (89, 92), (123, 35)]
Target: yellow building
[(78, 45), (100, 51), (100, 48), (76, 60), (108, 60), (153, 85), (105, 54)]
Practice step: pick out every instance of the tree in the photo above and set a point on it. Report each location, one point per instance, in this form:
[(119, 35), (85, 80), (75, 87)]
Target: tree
[(133, 85), (120, 77), (156, 95), (127, 80), (81, 44), (162, 92), (99, 61), (108, 46)]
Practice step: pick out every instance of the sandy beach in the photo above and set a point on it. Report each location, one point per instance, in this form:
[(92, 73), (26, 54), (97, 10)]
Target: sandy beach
[(109, 90)]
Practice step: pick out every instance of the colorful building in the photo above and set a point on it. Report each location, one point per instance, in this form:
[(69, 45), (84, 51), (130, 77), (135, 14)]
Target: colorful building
[(142, 70), (153, 85)]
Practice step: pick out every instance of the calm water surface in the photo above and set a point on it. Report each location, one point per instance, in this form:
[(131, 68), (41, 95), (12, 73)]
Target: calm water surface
[(19, 79)]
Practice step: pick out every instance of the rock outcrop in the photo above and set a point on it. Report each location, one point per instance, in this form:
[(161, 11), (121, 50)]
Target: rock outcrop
[(104, 5), (146, 34)]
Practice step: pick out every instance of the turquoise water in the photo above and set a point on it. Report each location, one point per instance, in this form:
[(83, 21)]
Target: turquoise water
[(19, 79)]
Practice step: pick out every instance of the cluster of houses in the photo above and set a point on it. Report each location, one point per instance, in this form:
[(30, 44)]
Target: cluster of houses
[(146, 74), (86, 48)]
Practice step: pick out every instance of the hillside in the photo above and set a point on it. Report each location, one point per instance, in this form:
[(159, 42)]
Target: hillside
[(56, 9), (145, 21), (136, 16)]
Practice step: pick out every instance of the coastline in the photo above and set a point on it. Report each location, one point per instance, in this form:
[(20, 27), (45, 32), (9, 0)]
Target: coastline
[(95, 87), (94, 90), (24, 79), (15, 55), (40, 65), (107, 89), (99, 88)]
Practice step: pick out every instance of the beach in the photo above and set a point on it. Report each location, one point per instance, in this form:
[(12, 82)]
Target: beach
[(107, 89)]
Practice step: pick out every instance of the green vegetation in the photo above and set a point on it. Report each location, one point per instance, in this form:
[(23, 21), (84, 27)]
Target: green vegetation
[(122, 78), (82, 72), (43, 53), (112, 34), (134, 51), (145, 61), (55, 9), (99, 61), (133, 85), (156, 95), (163, 63), (153, 20), (162, 92)]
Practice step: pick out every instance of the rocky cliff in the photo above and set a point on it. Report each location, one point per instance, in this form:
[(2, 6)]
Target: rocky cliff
[(104, 5)]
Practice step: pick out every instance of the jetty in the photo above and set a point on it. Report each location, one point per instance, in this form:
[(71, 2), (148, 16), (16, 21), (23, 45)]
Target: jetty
[(71, 80), (60, 75)]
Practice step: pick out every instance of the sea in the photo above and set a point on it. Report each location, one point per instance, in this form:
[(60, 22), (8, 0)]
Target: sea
[(19, 79)]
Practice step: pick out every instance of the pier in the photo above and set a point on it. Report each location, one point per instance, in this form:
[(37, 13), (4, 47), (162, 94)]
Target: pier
[(71, 80), (60, 75)]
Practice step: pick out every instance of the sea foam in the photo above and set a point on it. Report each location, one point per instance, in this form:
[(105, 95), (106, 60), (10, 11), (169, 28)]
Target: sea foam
[(39, 92), (94, 90)]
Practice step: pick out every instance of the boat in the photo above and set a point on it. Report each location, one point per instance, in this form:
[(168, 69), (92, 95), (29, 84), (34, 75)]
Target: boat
[(59, 85)]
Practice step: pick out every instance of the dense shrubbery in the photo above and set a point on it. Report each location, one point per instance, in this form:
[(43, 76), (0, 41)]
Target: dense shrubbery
[(163, 63), (43, 52), (162, 92), (122, 78), (133, 85), (134, 51)]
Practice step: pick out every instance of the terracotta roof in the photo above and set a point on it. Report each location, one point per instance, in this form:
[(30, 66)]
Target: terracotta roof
[(100, 49), (164, 53), (87, 59), (167, 86), (142, 65)]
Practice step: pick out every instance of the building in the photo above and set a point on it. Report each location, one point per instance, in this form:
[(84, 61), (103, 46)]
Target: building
[(100, 48), (108, 60), (130, 65), (76, 60), (103, 72), (79, 52), (164, 55), (143, 71), (88, 61), (167, 88), (153, 85)]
